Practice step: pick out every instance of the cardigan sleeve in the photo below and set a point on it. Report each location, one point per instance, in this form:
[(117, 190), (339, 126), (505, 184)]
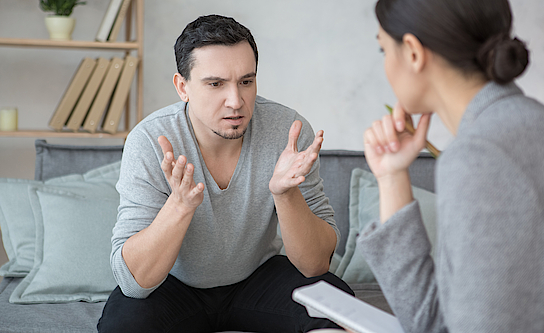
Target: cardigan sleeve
[(399, 254), (488, 269)]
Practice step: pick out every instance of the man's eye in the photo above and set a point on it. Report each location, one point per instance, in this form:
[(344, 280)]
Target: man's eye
[(381, 50), (247, 82), (215, 84)]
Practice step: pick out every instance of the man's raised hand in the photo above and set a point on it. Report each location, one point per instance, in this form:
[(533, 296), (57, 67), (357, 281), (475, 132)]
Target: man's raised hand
[(293, 166), (179, 175)]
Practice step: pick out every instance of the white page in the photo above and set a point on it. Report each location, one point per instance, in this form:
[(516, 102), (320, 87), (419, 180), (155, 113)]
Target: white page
[(323, 300)]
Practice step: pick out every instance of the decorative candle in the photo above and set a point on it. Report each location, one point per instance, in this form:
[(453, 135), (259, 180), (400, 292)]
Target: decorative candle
[(8, 119)]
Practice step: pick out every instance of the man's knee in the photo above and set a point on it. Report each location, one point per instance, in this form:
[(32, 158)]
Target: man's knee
[(335, 281), (124, 314)]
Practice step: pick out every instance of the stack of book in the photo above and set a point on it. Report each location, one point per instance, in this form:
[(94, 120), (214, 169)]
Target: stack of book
[(96, 95)]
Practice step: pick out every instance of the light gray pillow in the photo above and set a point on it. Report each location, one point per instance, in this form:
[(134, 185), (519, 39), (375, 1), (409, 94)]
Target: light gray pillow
[(18, 227), (17, 218), (364, 208), (73, 232)]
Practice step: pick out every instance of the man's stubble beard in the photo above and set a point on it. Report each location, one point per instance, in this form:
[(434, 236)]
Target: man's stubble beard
[(232, 136)]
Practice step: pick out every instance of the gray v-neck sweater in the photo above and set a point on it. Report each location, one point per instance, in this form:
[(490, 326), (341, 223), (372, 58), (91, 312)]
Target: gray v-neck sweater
[(234, 230), (489, 269)]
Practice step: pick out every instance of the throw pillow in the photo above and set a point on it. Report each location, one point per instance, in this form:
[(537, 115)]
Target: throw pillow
[(17, 219), (364, 208), (18, 227), (73, 232)]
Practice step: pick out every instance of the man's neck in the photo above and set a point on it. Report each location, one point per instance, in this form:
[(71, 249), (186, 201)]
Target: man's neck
[(220, 155)]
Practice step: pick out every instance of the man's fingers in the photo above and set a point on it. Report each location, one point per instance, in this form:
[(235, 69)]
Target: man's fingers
[(187, 180), (179, 168), (294, 132), (198, 188), (316, 145), (168, 156), (166, 146)]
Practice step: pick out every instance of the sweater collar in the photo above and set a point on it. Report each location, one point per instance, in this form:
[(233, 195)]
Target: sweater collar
[(490, 93)]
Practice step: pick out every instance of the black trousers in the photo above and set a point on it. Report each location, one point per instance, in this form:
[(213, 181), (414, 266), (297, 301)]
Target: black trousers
[(260, 303)]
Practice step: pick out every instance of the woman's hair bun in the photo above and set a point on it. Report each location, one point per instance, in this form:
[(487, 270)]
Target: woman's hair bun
[(502, 58)]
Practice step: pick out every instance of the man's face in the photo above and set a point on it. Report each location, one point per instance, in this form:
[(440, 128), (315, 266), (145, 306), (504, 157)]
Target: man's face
[(222, 90)]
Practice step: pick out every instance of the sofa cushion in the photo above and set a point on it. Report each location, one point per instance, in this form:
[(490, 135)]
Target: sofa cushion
[(18, 227), (364, 208), (74, 217), (17, 218)]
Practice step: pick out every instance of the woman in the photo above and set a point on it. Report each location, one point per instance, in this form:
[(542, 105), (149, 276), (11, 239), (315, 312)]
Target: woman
[(456, 58)]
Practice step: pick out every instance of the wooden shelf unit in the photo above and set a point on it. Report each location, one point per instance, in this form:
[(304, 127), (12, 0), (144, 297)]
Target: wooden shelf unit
[(129, 46)]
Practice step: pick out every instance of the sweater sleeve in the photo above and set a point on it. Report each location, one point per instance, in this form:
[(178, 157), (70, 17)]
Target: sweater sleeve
[(143, 191), (312, 187)]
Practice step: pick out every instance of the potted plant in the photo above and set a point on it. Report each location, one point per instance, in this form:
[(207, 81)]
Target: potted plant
[(60, 25)]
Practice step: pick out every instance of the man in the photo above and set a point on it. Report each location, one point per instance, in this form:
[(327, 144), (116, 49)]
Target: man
[(195, 247)]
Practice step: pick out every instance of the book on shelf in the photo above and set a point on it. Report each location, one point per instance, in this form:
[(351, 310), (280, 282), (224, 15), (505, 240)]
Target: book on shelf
[(119, 99), (103, 96), (119, 21), (89, 93), (323, 300), (108, 20), (72, 93)]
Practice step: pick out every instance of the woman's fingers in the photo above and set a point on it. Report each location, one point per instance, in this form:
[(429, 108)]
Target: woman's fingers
[(422, 129), (371, 145), (399, 117), (390, 133), (385, 136)]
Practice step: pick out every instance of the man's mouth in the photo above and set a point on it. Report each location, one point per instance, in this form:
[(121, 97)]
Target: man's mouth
[(236, 121)]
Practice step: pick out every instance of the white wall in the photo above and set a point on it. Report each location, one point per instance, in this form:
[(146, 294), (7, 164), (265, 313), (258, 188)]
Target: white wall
[(318, 57)]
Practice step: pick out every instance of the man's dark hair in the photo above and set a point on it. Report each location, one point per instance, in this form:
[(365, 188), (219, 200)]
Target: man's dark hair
[(209, 30), (472, 35)]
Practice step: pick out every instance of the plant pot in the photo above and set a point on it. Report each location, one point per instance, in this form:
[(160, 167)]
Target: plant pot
[(60, 27)]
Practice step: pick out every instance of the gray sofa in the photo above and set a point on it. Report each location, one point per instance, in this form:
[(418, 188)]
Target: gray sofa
[(57, 160)]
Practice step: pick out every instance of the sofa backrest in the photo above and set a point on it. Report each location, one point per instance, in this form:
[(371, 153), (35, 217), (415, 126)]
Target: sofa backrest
[(58, 160), (335, 169), (336, 165)]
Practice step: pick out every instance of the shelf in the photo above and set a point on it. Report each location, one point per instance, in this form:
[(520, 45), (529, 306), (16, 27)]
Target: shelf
[(70, 44), (135, 14), (62, 134)]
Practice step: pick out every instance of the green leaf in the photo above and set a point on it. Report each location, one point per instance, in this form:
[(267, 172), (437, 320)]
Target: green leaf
[(60, 7)]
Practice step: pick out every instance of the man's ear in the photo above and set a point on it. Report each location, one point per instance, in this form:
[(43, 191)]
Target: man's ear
[(414, 52), (181, 87)]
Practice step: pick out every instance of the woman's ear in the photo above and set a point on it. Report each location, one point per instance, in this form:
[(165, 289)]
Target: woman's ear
[(181, 87), (414, 52)]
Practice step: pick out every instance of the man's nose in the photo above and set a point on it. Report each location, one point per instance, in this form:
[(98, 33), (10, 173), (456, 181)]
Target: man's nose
[(234, 98)]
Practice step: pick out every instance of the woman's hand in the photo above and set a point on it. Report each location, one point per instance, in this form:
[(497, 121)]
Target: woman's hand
[(389, 149)]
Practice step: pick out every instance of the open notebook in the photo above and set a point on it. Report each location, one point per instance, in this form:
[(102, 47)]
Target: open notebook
[(322, 300)]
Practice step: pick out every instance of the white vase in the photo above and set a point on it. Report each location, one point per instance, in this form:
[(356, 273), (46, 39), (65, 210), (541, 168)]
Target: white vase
[(60, 27)]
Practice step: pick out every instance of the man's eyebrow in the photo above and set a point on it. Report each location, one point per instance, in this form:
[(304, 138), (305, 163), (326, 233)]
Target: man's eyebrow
[(249, 75), (217, 78), (213, 78)]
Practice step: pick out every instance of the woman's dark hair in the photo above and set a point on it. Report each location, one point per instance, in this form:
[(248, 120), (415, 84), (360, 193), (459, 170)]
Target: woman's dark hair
[(209, 30), (472, 35)]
